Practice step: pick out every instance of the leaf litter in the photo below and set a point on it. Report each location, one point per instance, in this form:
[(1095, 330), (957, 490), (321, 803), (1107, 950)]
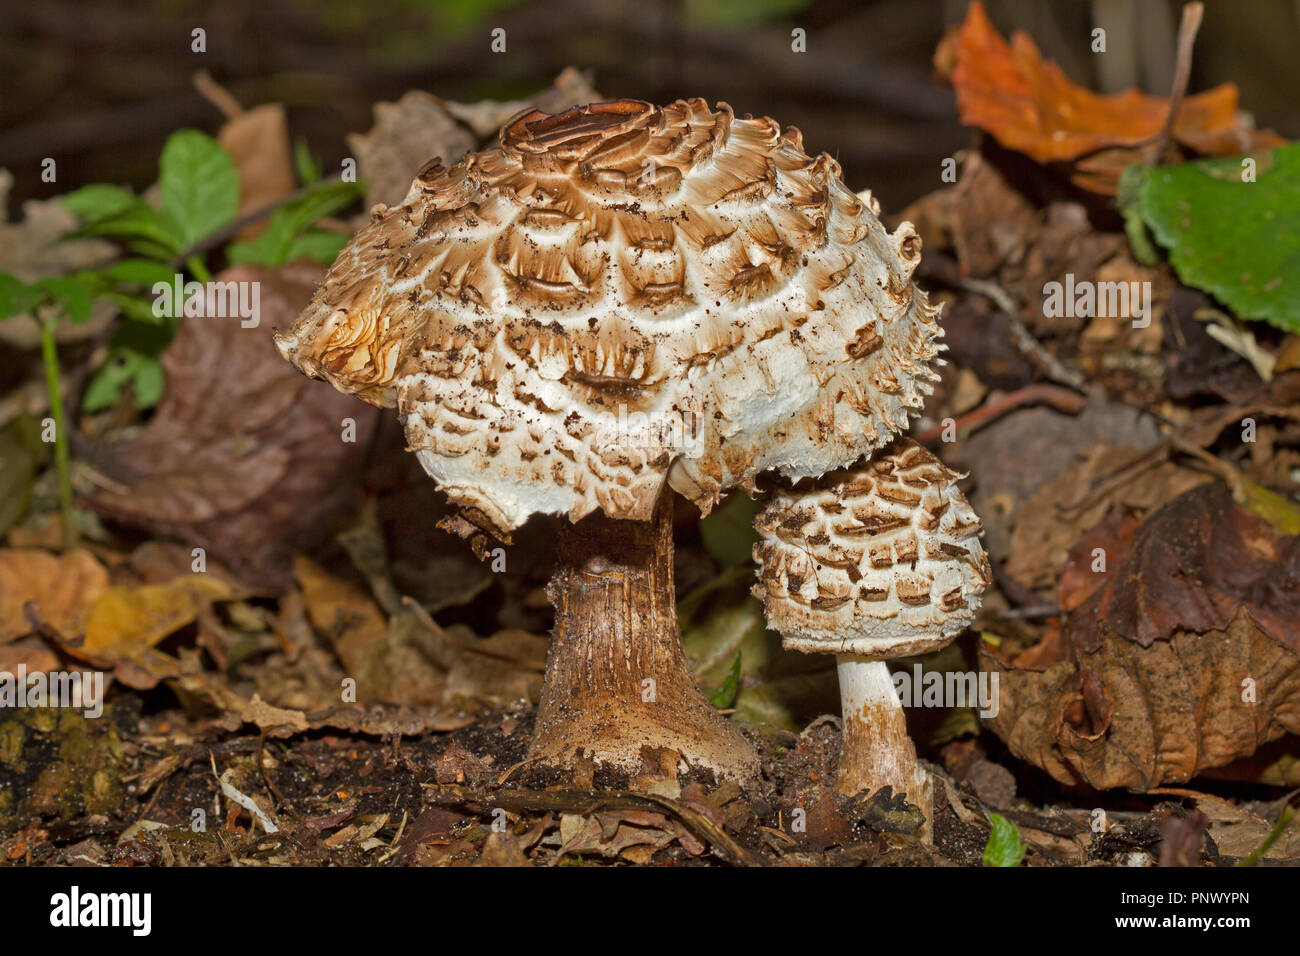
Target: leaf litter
[(234, 686)]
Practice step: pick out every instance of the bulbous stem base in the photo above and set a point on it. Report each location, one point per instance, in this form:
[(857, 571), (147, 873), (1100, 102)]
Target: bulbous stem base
[(617, 681), (877, 750)]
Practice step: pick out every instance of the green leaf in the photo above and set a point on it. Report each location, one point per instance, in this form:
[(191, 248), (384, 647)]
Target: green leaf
[(99, 201), (148, 381), (725, 696), (199, 185), (1004, 847), (305, 164), (277, 244), (134, 359), (137, 307), (1129, 200), (142, 372), (139, 225), (722, 623), (16, 296), (1233, 238), (73, 296), (105, 385), (141, 272)]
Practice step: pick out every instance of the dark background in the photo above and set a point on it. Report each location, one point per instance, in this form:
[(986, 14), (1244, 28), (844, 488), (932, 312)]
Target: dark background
[(99, 85)]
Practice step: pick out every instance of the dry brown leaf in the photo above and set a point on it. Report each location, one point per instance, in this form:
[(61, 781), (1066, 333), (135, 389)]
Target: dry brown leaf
[(571, 88), (36, 660), (258, 141), (342, 611), (501, 848), (1184, 659), (375, 720), (244, 457), (1030, 106), (1015, 456), (983, 218), (615, 833), (406, 135), (1124, 716), (63, 588), (1192, 565), (421, 127), (497, 671), (125, 622), (1237, 831), (1049, 523)]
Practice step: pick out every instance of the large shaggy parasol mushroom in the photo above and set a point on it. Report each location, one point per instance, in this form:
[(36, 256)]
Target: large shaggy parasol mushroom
[(618, 300), (873, 563)]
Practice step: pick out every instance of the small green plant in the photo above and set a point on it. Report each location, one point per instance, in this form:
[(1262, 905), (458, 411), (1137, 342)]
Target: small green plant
[(1004, 847), (725, 696), (1283, 821), (198, 187), (46, 300)]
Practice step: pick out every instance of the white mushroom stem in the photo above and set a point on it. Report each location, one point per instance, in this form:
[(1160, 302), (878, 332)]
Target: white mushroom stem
[(877, 750)]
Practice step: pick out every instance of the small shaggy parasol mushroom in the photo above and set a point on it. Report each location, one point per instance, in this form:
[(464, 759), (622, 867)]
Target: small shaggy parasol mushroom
[(615, 300), (873, 563)]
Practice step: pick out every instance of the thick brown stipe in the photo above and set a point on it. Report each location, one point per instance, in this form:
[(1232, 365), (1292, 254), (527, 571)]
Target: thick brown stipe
[(616, 679)]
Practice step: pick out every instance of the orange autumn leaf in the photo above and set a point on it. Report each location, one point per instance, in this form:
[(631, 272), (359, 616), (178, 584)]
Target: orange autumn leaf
[(1029, 105)]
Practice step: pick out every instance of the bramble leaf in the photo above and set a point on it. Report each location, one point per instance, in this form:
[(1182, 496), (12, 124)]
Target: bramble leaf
[(199, 184), (16, 296), (1230, 236), (279, 243)]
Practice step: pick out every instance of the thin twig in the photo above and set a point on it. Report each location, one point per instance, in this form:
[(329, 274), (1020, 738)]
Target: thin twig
[(1059, 398), (1023, 338), (1187, 30), (217, 95), (1030, 611), (279, 798), (588, 801)]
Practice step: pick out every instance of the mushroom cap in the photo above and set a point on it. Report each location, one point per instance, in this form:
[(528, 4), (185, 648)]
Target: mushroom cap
[(881, 561), (623, 294)]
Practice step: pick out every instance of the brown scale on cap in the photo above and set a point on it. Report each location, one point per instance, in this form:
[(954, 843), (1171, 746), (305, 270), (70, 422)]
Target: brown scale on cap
[(622, 295), (880, 561)]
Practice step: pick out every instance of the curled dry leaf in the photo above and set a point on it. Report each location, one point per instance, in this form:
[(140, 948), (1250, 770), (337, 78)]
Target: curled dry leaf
[(258, 142), (407, 659), (341, 611), (240, 441), (1050, 522), (1030, 106), (420, 127), (1185, 657), (62, 587), (126, 625), (36, 659), (406, 135), (571, 88), (634, 834), (984, 219)]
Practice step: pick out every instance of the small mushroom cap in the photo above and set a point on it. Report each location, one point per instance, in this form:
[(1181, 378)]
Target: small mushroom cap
[(882, 561), (621, 295)]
